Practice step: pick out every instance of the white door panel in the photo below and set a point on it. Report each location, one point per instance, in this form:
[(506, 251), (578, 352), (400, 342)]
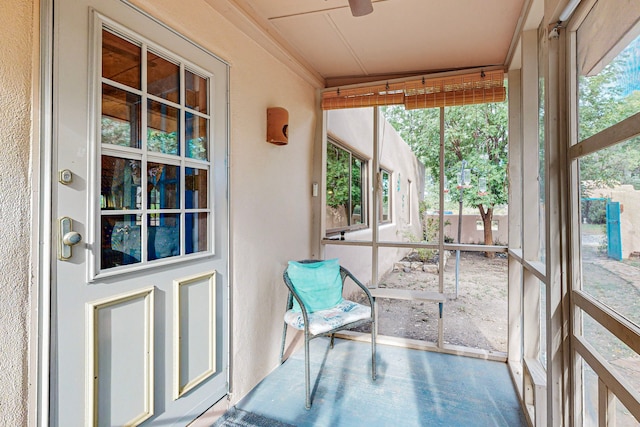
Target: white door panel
[(140, 312)]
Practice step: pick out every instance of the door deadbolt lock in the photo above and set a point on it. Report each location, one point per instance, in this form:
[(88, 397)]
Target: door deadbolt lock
[(68, 238), (65, 176)]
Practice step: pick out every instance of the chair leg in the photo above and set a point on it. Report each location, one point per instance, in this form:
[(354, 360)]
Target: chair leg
[(373, 349), (331, 342), (307, 375), (284, 339)]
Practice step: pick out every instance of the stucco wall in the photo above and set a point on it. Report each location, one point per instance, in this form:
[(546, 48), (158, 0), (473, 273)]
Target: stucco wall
[(270, 184), (629, 215), (16, 21), (354, 129), (470, 232)]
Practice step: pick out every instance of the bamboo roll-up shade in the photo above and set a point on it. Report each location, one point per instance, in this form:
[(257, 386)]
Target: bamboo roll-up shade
[(463, 89), (368, 100), (457, 98)]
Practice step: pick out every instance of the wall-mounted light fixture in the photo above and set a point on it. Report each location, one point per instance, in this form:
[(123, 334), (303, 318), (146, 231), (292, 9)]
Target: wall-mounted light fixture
[(360, 7), (277, 125)]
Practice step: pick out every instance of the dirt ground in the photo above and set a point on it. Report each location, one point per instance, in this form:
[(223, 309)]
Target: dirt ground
[(476, 318)]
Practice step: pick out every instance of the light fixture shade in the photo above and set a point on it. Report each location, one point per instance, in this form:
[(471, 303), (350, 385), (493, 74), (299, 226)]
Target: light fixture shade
[(277, 125), (360, 7)]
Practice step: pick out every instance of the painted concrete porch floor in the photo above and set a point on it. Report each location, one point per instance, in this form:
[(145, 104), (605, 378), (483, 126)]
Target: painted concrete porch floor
[(413, 388)]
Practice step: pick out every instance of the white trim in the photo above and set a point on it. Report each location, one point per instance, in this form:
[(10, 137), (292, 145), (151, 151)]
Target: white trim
[(457, 350), (614, 134), (619, 326), (41, 241), (612, 378), (210, 277)]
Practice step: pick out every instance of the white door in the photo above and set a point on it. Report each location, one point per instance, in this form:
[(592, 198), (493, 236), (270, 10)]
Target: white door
[(139, 296)]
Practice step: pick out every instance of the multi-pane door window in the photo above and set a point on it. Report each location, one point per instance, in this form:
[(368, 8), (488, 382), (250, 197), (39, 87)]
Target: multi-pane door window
[(346, 202), (154, 169)]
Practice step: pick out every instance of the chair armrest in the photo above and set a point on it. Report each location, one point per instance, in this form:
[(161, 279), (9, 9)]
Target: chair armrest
[(346, 273), (294, 294)]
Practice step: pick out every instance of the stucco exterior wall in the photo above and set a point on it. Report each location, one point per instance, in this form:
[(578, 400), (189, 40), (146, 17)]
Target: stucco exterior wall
[(270, 185), (353, 128), (629, 215), (471, 234), (16, 33)]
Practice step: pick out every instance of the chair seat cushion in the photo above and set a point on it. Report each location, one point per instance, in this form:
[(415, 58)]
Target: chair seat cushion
[(325, 320)]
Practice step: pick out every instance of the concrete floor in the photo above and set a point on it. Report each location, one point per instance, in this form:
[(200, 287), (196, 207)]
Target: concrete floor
[(413, 388)]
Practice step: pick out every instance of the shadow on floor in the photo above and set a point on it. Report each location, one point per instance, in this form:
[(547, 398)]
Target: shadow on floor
[(414, 388)]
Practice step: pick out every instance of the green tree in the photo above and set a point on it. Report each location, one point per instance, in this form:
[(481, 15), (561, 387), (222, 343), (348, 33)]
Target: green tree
[(602, 102), (344, 183), (476, 134)]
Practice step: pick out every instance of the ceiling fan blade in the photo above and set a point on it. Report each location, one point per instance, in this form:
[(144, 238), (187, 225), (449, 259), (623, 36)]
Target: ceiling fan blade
[(360, 7)]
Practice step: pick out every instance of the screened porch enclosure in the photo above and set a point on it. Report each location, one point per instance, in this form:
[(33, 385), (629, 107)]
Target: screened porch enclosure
[(439, 179)]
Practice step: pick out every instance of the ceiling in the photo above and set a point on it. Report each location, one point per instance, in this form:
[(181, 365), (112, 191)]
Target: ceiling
[(400, 38)]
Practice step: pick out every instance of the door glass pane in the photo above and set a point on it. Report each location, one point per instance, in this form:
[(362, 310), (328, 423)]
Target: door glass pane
[(610, 218), (624, 417), (120, 60), (196, 88), (163, 236), (120, 184), (196, 232), (196, 189), (475, 315), (162, 128), (590, 385), (542, 49), (611, 94), (142, 180), (411, 148), (163, 186), (196, 136), (120, 123), (476, 155), (543, 323), (622, 358), (163, 78), (120, 240)]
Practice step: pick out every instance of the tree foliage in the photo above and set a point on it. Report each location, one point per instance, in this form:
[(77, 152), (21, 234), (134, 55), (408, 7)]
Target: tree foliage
[(476, 134), (603, 101), (344, 182)]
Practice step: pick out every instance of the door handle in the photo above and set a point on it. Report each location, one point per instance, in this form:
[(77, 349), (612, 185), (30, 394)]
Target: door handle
[(68, 238)]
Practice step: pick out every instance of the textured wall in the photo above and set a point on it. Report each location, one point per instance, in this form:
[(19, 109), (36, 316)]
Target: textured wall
[(354, 129), (270, 184), (16, 21)]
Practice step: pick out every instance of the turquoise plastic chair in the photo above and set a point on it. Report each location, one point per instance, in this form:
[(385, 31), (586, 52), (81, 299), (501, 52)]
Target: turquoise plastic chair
[(345, 315)]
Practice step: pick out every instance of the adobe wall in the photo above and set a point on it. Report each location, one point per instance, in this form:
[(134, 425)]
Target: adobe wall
[(353, 128), (629, 215), (472, 233)]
